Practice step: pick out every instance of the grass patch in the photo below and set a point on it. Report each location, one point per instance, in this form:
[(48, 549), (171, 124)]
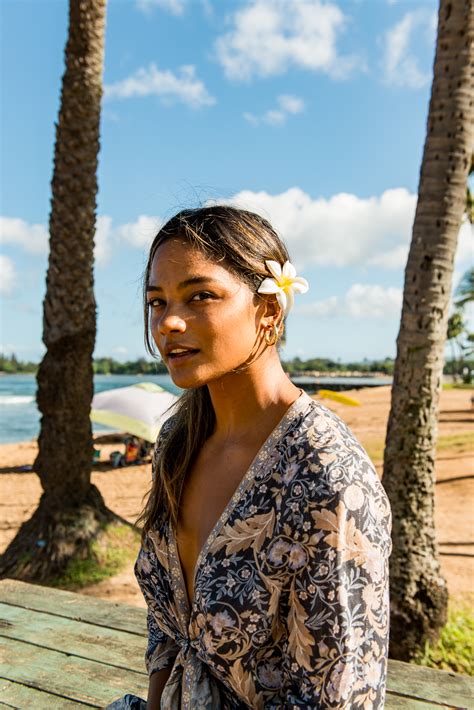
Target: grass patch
[(116, 548), (374, 448), (455, 649), (457, 386), (457, 443), (461, 443)]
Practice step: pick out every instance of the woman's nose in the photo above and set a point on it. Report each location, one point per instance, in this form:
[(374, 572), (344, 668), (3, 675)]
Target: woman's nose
[(171, 323)]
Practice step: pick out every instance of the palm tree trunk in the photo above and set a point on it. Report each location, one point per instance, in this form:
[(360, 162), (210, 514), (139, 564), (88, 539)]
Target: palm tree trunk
[(418, 590), (71, 510)]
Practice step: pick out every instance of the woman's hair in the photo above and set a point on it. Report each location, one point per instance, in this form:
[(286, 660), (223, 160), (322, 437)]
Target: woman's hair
[(240, 241)]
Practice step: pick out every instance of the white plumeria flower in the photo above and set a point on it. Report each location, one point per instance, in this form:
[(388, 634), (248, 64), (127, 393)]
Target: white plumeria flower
[(284, 284)]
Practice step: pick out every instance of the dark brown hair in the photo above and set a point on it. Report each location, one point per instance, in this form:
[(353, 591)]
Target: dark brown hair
[(241, 241)]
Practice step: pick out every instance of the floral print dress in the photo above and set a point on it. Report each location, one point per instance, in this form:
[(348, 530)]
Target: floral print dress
[(290, 606)]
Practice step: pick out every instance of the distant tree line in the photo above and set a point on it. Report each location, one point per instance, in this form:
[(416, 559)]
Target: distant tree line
[(9, 364), (109, 366), (319, 364)]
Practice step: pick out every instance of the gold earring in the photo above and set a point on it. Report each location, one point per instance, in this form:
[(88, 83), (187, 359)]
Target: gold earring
[(271, 335)]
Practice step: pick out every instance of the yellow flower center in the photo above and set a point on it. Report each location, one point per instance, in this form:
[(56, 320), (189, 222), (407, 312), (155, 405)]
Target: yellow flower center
[(284, 282)]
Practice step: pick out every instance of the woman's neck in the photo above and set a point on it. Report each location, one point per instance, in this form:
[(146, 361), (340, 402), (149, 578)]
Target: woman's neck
[(246, 403)]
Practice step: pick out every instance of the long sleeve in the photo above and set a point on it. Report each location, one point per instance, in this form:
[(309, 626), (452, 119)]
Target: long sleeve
[(337, 607), (161, 650)]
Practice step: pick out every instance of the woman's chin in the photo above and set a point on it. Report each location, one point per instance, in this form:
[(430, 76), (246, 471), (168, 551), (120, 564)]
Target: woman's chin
[(187, 380)]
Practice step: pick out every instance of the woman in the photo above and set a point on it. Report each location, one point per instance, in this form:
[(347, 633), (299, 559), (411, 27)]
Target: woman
[(266, 532)]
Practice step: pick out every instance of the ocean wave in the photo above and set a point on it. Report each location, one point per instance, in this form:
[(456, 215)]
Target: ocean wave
[(15, 399)]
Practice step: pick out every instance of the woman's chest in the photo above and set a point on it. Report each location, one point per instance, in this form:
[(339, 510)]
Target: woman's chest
[(207, 491)]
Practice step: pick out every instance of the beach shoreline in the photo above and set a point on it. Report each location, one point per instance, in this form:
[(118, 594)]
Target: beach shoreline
[(124, 489)]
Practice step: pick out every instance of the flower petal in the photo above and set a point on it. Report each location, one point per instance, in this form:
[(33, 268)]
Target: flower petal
[(282, 300), (268, 286), (290, 299), (289, 271), (300, 285), (274, 268)]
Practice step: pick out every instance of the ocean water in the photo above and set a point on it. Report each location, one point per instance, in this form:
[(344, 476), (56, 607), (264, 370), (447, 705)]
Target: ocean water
[(19, 416)]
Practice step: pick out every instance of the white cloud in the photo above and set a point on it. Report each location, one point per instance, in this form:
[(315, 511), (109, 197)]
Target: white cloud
[(140, 233), (372, 301), (361, 301), (343, 230), (176, 7), (465, 250), (34, 238), (393, 259), (8, 275), (286, 105), (31, 237), (183, 86), (321, 309), (401, 66), (268, 36), (102, 246)]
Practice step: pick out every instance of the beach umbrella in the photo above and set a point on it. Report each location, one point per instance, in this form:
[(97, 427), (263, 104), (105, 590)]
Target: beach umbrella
[(138, 409)]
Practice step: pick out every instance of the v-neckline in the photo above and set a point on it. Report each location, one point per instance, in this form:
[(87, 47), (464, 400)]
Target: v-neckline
[(245, 481)]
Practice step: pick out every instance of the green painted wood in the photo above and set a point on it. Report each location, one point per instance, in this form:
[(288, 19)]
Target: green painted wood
[(396, 702), (73, 606), (74, 678), (76, 638), (15, 695), (442, 687), (81, 626)]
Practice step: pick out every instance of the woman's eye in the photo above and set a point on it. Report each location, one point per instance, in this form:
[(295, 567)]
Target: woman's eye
[(202, 296), (155, 302)]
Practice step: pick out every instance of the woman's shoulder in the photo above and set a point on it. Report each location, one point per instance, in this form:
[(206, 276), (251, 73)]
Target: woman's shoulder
[(321, 445), (320, 426), (326, 471)]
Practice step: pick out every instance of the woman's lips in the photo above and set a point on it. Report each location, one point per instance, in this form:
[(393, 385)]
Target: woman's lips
[(182, 356)]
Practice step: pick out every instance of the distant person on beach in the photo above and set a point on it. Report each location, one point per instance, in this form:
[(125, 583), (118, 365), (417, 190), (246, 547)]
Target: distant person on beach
[(266, 535)]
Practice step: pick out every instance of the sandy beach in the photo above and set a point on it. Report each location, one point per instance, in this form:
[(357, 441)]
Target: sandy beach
[(124, 489)]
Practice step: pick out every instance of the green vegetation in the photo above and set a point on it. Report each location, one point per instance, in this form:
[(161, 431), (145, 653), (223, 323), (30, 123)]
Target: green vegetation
[(455, 649), (374, 448), (109, 366), (9, 364), (458, 386), (459, 443), (116, 548), (458, 334), (295, 366), (12, 366)]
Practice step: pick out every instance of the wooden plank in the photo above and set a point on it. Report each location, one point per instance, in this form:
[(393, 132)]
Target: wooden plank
[(74, 606), (76, 638), (441, 687), (76, 679), (407, 683), (397, 702), (15, 695)]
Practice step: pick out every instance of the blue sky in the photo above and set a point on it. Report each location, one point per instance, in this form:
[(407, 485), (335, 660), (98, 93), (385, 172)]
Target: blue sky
[(310, 112)]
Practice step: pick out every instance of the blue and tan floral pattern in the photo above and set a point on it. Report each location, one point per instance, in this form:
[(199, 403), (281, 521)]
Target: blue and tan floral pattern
[(290, 607)]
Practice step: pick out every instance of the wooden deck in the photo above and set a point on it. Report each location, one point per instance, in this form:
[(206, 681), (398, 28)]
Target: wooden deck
[(64, 650)]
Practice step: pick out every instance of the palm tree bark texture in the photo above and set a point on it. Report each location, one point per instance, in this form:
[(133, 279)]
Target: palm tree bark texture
[(71, 511), (418, 590)]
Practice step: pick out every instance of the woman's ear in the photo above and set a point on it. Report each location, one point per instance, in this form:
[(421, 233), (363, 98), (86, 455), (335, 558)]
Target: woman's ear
[(272, 314)]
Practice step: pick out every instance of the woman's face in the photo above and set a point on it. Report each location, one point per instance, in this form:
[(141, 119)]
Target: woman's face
[(204, 320)]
